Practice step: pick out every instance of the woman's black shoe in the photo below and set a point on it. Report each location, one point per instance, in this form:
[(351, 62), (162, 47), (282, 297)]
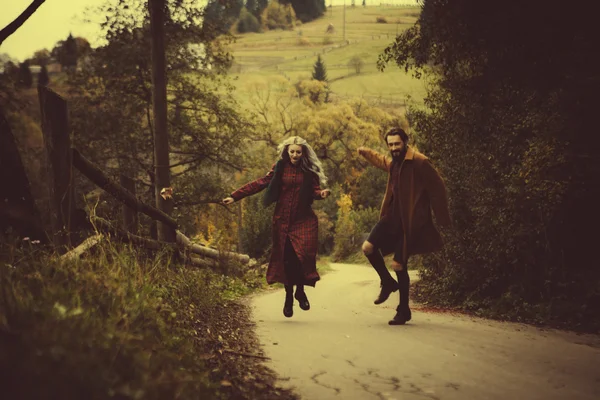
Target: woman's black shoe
[(303, 300), (288, 307)]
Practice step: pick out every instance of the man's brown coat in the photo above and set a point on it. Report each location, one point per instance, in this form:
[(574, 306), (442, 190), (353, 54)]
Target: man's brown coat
[(421, 191)]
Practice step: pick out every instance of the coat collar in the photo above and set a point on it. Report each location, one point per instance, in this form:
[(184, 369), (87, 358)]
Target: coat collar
[(410, 153)]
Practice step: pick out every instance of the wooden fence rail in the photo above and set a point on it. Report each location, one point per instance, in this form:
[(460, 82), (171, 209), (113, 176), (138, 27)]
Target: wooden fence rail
[(93, 173), (62, 158)]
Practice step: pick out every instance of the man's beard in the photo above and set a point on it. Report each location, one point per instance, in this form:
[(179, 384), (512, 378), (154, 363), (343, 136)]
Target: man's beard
[(398, 155)]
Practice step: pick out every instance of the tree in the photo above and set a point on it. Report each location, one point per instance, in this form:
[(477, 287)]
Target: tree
[(357, 63), (319, 70), (162, 170), (221, 15), (252, 7), (278, 16), (25, 76), (260, 6), (519, 161), (307, 10), (43, 78), (20, 20), (247, 22), (41, 57), (112, 107), (66, 53)]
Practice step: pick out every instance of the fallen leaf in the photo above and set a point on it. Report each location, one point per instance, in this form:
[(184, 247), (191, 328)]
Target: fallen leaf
[(166, 193), (225, 383)]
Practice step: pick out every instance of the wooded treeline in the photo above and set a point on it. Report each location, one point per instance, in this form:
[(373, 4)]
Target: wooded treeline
[(510, 120)]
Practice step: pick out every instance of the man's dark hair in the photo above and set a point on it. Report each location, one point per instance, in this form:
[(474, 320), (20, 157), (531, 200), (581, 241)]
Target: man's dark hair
[(397, 131)]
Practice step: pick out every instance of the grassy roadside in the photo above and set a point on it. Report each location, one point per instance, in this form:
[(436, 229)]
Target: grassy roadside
[(124, 324)]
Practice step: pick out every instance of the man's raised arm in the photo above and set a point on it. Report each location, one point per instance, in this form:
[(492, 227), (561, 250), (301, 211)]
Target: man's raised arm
[(378, 160)]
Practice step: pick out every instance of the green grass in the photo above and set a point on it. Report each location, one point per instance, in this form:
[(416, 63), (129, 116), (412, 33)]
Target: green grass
[(273, 55), (119, 324)]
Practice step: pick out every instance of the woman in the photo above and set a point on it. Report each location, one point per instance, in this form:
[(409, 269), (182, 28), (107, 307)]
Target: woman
[(293, 182)]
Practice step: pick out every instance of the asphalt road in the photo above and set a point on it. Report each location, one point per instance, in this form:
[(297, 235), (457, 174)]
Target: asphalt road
[(343, 348)]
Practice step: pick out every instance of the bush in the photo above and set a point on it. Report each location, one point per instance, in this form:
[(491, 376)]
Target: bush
[(381, 20), (277, 16), (326, 232), (255, 232), (352, 228), (303, 41), (247, 22)]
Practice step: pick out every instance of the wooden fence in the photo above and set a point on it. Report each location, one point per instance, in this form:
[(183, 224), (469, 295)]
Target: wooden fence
[(62, 159)]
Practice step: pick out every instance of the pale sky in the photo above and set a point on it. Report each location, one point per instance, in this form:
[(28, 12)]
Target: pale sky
[(55, 19)]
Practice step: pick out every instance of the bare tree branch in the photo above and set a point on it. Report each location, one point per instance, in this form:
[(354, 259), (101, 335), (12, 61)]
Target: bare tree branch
[(20, 20)]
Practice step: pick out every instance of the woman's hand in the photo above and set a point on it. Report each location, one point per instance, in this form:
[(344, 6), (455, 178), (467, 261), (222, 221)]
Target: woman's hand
[(325, 193), (227, 200)]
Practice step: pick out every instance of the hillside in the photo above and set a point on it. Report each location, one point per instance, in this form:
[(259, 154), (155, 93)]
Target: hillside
[(291, 54)]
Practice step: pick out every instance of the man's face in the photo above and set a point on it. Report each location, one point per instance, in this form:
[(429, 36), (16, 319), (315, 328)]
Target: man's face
[(395, 144), (295, 153)]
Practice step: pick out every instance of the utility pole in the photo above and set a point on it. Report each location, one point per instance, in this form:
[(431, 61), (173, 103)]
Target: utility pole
[(344, 21)]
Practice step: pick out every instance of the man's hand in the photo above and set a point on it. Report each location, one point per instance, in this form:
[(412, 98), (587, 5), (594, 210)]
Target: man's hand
[(325, 193), (227, 200)]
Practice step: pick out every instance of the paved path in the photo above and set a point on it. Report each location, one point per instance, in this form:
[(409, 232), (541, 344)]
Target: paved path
[(343, 348)]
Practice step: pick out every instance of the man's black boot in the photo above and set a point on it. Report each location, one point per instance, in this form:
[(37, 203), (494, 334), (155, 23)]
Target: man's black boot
[(387, 288), (301, 297), (288, 306), (388, 284), (403, 315)]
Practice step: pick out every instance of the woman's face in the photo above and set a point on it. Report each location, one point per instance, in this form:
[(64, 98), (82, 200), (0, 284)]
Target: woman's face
[(295, 153)]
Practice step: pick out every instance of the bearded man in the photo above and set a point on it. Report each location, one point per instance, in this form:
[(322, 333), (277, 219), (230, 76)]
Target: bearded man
[(414, 189)]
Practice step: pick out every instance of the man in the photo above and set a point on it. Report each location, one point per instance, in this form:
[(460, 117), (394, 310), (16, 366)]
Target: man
[(405, 226)]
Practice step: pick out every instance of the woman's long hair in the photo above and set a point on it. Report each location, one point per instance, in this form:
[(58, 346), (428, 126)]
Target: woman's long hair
[(309, 160)]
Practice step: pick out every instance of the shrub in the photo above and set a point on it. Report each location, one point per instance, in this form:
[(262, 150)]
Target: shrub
[(255, 231), (277, 16), (357, 63), (247, 22), (326, 232), (303, 41), (352, 228), (381, 20)]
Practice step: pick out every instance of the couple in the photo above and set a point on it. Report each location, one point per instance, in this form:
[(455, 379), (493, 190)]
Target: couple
[(405, 227)]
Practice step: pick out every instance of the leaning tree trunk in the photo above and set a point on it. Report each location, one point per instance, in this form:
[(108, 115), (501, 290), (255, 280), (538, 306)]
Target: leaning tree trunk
[(159, 102)]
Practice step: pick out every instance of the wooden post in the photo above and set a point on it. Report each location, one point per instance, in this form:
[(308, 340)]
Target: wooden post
[(130, 215), (17, 205), (55, 126)]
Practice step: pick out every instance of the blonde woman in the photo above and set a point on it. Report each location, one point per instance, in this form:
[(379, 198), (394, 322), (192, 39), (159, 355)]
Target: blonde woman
[(293, 183)]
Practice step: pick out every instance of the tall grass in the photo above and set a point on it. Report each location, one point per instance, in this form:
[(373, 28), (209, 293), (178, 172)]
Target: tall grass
[(118, 324)]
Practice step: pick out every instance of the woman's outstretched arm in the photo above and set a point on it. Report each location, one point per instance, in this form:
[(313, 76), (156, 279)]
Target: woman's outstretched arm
[(250, 188)]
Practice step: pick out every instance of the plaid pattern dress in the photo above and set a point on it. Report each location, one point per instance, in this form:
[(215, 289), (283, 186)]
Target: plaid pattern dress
[(301, 227)]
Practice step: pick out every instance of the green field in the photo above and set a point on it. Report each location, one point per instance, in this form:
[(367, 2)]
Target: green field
[(260, 57)]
